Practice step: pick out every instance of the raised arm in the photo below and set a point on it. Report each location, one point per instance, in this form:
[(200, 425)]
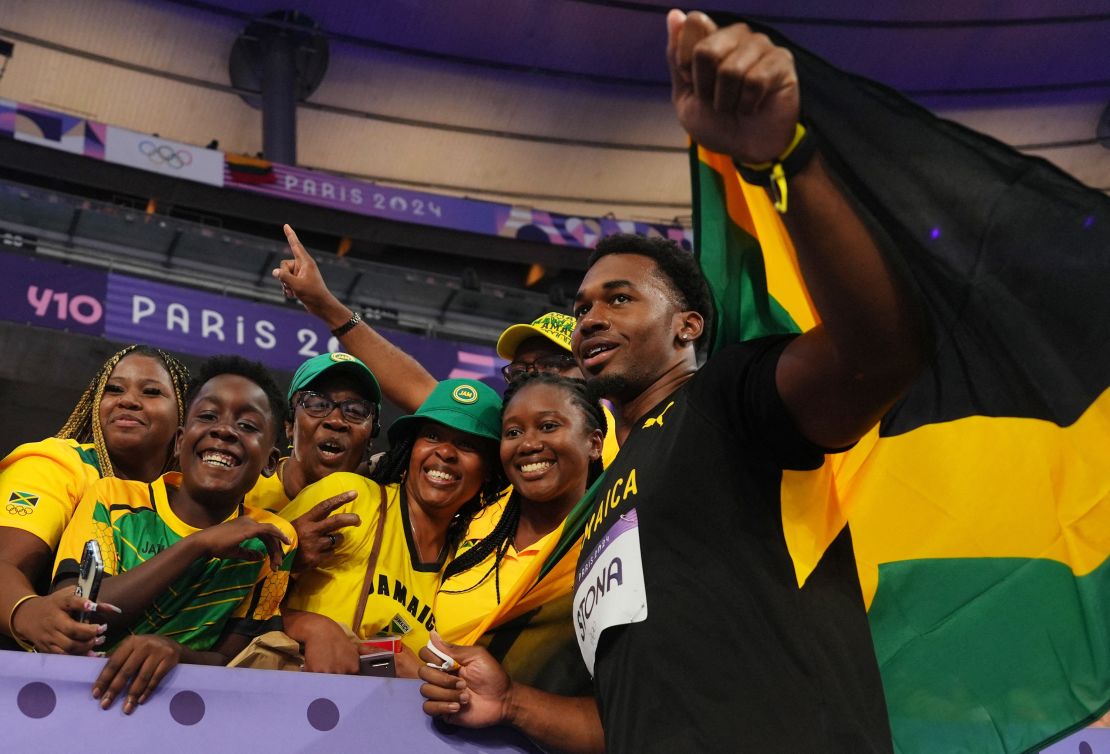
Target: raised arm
[(403, 380), (737, 94)]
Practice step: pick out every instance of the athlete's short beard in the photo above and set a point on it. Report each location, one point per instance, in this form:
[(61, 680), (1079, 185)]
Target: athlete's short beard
[(611, 386)]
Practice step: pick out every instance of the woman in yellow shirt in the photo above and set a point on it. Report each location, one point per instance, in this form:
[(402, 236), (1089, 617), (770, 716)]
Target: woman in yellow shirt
[(441, 468), (123, 426), (552, 433)]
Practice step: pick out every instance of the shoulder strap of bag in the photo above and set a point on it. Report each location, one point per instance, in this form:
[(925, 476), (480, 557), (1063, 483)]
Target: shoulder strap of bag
[(368, 581)]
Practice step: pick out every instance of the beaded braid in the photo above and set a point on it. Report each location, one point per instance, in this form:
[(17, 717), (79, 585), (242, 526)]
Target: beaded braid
[(83, 424), (497, 541)]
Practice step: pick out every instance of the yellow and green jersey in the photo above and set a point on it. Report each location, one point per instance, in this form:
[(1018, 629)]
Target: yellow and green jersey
[(133, 522)]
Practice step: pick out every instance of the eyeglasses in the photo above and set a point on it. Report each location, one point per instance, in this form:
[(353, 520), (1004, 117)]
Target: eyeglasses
[(355, 410), (556, 362)]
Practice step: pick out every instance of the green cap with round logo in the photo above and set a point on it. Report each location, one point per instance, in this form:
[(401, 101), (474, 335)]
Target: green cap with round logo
[(332, 363), (466, 405)]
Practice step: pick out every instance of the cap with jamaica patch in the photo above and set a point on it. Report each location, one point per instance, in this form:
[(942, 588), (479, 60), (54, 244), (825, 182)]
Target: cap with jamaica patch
[(466, 405), (335, 363), (554, 326)]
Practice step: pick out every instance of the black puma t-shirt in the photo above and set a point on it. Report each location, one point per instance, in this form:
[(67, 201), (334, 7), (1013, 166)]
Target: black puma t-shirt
[(687, 596)]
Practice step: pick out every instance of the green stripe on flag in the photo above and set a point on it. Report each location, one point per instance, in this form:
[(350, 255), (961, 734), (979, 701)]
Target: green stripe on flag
[(967, 658), (732, 262)]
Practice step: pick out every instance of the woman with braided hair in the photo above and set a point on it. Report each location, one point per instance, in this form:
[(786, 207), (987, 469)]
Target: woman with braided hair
[(123, 426), (552, 433), (504, 609)]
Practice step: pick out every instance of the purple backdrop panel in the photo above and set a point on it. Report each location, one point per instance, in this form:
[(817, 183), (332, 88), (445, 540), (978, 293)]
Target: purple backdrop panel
[(363, 198), (1089, 741), (204, 324), (50, 294), (472, 215), (45, 706)]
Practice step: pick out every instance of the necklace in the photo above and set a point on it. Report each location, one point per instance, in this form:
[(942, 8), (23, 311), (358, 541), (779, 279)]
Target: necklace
[(412, 529)]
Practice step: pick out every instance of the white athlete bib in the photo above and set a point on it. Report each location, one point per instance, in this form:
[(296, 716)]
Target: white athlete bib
[(609, 586)]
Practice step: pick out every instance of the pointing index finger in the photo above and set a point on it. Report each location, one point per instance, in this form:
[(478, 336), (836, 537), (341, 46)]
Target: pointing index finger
[(300, 254), (325, 508), (339, 521)]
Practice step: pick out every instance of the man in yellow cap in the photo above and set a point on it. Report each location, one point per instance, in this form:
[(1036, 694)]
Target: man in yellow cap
[(542, 345)]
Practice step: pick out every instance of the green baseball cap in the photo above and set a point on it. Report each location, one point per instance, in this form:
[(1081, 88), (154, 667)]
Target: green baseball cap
[(554, 326), (335, 363), (466, 405)]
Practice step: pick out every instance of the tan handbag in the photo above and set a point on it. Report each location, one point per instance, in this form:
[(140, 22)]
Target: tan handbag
[(273, 650)]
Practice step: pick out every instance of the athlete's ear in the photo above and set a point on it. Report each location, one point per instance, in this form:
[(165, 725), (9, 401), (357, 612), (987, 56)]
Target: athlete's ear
[(177, 442), (690, 327)]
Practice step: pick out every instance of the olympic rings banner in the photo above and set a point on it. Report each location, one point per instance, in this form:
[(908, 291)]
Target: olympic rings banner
[(71, 133), (164, 156), (46, 706)]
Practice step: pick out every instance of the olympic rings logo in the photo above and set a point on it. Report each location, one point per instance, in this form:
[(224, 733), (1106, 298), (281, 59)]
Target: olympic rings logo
[(164, 154), (19, 510)]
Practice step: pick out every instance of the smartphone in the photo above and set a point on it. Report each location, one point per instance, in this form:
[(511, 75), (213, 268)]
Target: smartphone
[(379, 664), (88, 580)]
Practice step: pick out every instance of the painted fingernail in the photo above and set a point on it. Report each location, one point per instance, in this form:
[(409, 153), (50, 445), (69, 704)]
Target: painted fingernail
[(102, 629), (460, 684), (464, 698), (113, 608), (452, 707), (97, 691), (99, 640), (106, 701), (89, 606)]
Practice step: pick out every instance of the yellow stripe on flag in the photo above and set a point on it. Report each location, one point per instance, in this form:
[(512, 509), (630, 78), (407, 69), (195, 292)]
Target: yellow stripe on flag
[(750, 208)]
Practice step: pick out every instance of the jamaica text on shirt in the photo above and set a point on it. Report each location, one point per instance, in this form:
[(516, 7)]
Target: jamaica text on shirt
[(617, 493)]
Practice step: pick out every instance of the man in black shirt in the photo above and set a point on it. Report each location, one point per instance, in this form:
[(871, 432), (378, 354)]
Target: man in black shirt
[(687, 606)]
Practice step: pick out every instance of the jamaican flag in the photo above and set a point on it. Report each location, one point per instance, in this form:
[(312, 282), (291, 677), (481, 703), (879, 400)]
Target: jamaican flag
[(980, 506)]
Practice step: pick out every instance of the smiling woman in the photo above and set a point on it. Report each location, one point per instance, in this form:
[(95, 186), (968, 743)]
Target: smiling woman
[(385, 570), (552, 433), (123, 426)]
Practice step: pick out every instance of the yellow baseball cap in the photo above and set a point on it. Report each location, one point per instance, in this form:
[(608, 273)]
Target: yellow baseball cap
[(554, 326)]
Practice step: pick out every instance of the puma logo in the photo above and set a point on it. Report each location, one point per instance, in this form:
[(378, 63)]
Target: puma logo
[(654, 421)]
